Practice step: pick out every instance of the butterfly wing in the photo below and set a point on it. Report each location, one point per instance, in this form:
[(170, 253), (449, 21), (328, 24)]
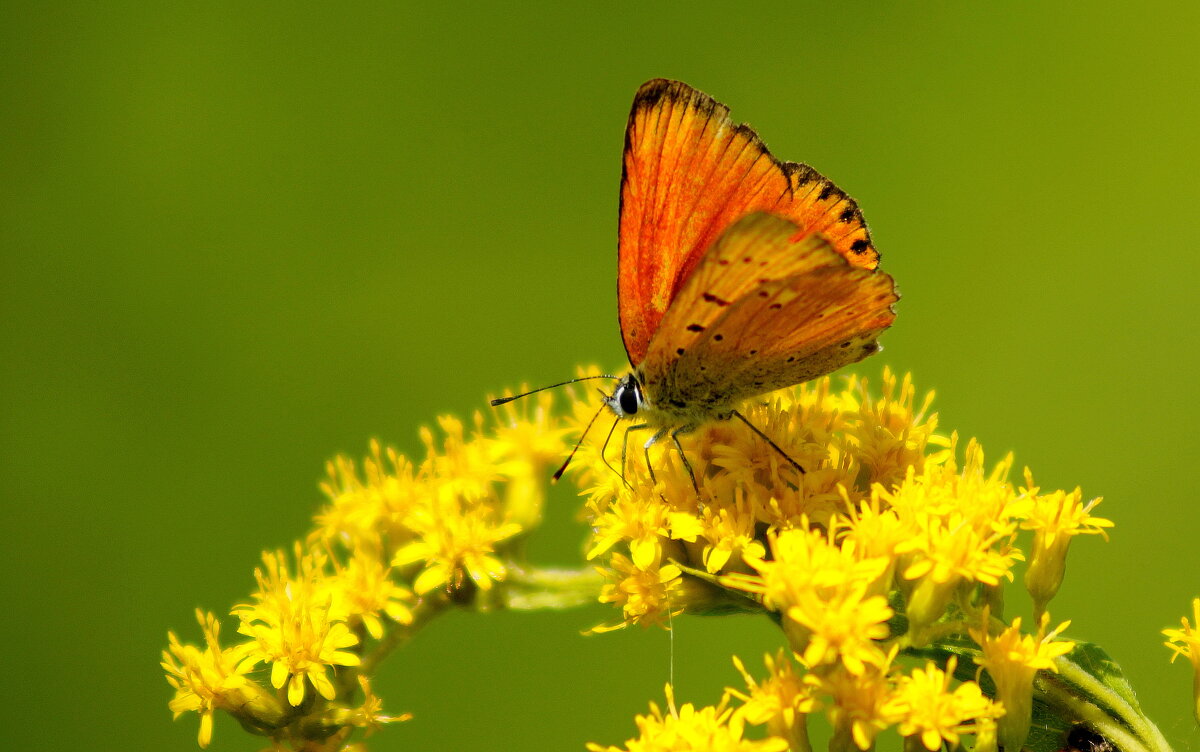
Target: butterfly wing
[(689, 173), (733, 332)]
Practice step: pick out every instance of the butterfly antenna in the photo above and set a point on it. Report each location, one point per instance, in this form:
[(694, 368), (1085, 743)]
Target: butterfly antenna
[(503, 400), (558, 473), (767, 439)]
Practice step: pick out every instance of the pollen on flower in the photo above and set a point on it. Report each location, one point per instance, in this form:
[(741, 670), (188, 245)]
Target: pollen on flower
[(367, 507)]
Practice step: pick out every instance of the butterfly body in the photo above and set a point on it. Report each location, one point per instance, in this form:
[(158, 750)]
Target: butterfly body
[(738, 274)]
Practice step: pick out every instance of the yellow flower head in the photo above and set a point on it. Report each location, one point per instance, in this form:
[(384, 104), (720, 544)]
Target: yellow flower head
[(859, 705), (298, 625), (1186, 642), (646, 596), (365, 588), (691, 729), (1012, 659), (211, 679), (882, 513), (965, 531), (782, 701), (822, 590), (367, 510), (933, 713), (1055, 518)]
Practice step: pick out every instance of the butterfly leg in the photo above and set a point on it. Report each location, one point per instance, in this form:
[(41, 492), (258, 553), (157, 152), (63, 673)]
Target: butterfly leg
[(653, 440), (767, 439), (604, 454), (625, 446), (683, 457)]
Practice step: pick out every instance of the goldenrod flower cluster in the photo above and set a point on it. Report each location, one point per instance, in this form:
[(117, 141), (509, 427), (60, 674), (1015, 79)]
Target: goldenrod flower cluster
[(397, 543), (892, 543), (886, 542)]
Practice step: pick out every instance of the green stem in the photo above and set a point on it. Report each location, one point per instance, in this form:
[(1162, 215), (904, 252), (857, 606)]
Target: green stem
[(1103, 707), (535, 589)]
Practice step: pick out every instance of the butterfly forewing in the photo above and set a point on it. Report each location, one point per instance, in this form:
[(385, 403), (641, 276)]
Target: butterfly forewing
[(689, 173)]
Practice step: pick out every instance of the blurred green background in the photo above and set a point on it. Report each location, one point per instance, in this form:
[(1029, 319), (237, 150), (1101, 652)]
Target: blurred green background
[(240, 238)]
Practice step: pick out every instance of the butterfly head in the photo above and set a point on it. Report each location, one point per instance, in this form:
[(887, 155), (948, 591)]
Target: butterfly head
[(627, 399)]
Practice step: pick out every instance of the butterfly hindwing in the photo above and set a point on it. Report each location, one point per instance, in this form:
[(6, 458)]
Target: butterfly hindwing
[(689, 173), (741, 327)]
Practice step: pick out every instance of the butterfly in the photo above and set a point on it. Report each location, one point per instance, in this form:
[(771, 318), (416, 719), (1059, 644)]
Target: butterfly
[(737, 274)]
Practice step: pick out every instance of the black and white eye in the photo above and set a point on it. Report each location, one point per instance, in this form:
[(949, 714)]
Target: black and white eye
[(628, 398)]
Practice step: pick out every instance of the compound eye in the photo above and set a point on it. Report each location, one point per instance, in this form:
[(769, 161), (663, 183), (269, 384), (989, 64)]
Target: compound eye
[(628, 399)]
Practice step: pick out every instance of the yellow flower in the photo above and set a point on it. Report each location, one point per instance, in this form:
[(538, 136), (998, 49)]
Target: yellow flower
[(638, 517), (890, 434), (876, 533), (728, 533), (935, 714), (844, 626), (211, 679), (821, 589), (860, 705), (688, 729), (462, 468), (366, 588), (1012, 659), (366, 511), (646, 596), (297, 625), (369, 714), (782, 701), (965, 532), (1186, 642), (454, 540), (1055, 518)]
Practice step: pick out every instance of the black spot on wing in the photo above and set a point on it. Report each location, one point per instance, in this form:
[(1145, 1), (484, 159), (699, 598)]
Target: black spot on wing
[(860, 246), (827, 190), (695, 328), (710, 298)]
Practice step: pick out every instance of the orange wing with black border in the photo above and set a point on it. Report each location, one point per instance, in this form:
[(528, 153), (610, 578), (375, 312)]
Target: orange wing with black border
[(689, 173)]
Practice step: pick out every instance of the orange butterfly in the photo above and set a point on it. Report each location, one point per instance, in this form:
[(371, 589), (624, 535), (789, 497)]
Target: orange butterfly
[(737, 274)]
